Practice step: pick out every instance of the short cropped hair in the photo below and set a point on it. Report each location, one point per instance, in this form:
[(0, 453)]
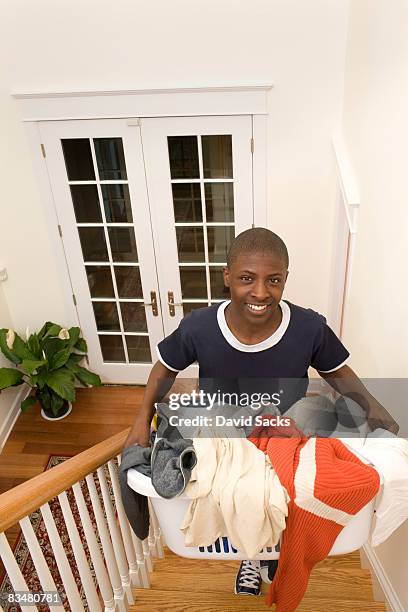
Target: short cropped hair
[(258, 240)]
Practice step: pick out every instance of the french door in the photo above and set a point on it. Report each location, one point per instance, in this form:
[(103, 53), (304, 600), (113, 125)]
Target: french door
[(200, 191), (147, 210)]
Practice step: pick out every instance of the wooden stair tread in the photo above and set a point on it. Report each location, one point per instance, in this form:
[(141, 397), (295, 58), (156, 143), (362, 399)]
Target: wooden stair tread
[(351, 584), (152, 600)]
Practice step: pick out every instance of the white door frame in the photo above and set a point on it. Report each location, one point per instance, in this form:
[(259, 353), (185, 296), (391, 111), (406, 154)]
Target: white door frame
[(132, 105)]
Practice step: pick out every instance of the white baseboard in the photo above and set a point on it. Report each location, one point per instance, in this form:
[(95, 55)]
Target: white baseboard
[(384, 583), (12, 416)]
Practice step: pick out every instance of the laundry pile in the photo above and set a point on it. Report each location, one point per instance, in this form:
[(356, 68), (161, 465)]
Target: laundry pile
[(235, 492), (327, 485), (276, 485)]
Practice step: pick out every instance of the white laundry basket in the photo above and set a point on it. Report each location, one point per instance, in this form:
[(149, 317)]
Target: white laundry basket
[(170, 514)]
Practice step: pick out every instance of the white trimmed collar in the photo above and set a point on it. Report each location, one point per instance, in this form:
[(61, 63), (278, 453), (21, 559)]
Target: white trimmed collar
[(260, 346)]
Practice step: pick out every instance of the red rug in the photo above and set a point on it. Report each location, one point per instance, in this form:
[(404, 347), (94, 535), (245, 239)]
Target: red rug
[(23, 557)]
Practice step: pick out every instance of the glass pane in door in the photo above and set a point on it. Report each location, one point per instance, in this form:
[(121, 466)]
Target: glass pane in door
[(86, 203), (138, 349), (93, 243), (78, 159), (190, 243), (128, 282), (219, 241), (110, 159), (219, 201), (116, 200), (100, 281), (187, 202), (183, 154), (217, 156), (122, 243), (98, 181)]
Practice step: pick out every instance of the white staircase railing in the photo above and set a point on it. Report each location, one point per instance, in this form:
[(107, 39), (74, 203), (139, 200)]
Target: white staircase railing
[(117, 560)]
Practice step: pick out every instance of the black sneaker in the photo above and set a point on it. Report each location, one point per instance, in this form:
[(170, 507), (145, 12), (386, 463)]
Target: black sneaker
[(248, 580), (268, 570)]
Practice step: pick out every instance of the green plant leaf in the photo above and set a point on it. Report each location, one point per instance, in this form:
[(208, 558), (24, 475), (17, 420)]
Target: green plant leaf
[(29, 401), (74, 333), (21, 349), (73, 361), (10, 377), (81, 346), (38, 380), (53, 330), (52, 346), (62, 382), (31, 366), (86, 377), (44, 329), (34, 346), (11, 356), (59, 358)]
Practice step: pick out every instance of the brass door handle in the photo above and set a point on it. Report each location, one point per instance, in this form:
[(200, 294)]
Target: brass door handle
[(171, 303), (153, 304)]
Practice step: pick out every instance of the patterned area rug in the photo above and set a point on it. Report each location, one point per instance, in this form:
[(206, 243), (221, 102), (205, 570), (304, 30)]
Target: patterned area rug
[(22, 554)]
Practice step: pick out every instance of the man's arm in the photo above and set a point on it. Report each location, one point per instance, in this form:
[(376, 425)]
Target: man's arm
[(159, 382), (347, 383)]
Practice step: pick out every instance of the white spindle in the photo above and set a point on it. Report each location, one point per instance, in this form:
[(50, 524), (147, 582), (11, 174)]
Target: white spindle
[(146, 553), (115, 535), (79, 554), (143, 571), (137, 543), (107, 547), (156, 531), (14, 573), (125, 528), (61, 560), (151, 541), (94, 550), (40, 564)]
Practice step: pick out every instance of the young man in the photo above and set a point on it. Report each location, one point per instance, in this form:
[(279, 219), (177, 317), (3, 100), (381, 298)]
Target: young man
[(249, 344)]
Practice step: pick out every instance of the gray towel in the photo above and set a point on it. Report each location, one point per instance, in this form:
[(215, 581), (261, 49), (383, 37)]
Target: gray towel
[(172, 462), (168, 463)]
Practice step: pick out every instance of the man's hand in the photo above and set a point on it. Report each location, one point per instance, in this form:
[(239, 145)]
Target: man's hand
[(378, 417), (139, 434), (347, 383)]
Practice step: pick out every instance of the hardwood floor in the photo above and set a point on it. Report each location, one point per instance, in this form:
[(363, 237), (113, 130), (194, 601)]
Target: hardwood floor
[(97, 414), (177, 584)]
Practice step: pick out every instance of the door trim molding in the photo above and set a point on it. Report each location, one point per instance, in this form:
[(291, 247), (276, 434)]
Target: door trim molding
[(174, 102), (51, 218)]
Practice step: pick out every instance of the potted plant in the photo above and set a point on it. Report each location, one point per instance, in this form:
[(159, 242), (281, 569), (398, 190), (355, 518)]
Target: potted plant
[(48, 361)]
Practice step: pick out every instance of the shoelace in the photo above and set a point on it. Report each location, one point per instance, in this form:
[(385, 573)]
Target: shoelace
[(249, 575)]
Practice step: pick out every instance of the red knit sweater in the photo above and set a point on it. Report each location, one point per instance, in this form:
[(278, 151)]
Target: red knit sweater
[(327, 485)]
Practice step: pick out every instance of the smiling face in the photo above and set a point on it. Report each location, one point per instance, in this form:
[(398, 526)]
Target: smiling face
[(256, 282)]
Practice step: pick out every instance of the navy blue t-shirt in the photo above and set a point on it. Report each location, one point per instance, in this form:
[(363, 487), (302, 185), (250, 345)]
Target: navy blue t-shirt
[(303, 339)]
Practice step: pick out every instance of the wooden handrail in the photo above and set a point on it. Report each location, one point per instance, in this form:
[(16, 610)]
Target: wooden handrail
[(30, 495)]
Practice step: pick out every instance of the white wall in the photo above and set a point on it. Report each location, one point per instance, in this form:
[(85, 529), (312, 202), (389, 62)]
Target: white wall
[(376, 131), (7, 396), (129, 44)]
